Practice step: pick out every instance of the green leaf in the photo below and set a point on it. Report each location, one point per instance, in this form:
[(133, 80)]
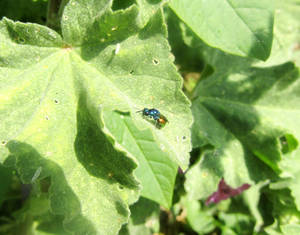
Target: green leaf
[(6, 179), (252, 197), (272, 229), (140, 75), (291, 229), (24, 10), (200, 220), (74, 190), (53, 90), (249, 112), (156, 171), (244, 111), (239, 223), (239, 27), (285, 48), (283, 207), (144, 218), (148, 8), (290, 171), (245, 107), (286, 34)]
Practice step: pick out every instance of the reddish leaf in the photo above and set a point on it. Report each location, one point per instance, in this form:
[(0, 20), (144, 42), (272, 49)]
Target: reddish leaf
[(224, 192)]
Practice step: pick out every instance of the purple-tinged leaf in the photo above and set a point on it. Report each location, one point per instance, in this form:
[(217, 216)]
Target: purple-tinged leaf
[(224, 192)]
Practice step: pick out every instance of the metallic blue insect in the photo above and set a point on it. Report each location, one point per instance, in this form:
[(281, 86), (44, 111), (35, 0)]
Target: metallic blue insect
[(160, 120)]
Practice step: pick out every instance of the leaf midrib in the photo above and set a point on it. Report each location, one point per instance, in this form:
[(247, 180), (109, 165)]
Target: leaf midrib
[(149, 165)]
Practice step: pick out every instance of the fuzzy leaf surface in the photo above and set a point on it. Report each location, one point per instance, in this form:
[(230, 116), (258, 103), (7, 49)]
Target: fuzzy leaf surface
[(51, 89)]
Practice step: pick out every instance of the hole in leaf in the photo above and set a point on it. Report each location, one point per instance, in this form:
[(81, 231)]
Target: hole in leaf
[(3, 142), (288, 143), (131, 72), (155, 61)]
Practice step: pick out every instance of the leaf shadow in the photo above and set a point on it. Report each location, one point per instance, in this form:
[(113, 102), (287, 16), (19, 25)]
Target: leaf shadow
[(211, 164), (96, 152), (63, 201), (232, 102)]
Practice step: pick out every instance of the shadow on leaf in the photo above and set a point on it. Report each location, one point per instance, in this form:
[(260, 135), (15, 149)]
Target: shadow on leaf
[(97, 154), (63, 200), (230, 97)]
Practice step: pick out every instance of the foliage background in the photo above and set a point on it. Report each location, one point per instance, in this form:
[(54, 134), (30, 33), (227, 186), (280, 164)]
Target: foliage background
[(75, 156)]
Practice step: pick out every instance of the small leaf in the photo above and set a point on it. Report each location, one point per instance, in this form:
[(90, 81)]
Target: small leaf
[(156, 171)]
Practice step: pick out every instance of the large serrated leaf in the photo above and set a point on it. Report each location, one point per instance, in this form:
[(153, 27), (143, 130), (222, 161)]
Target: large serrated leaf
[(51, 90), (240, 27)]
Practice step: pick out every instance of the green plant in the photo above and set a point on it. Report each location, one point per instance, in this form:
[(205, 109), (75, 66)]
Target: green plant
[(78, 158)]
